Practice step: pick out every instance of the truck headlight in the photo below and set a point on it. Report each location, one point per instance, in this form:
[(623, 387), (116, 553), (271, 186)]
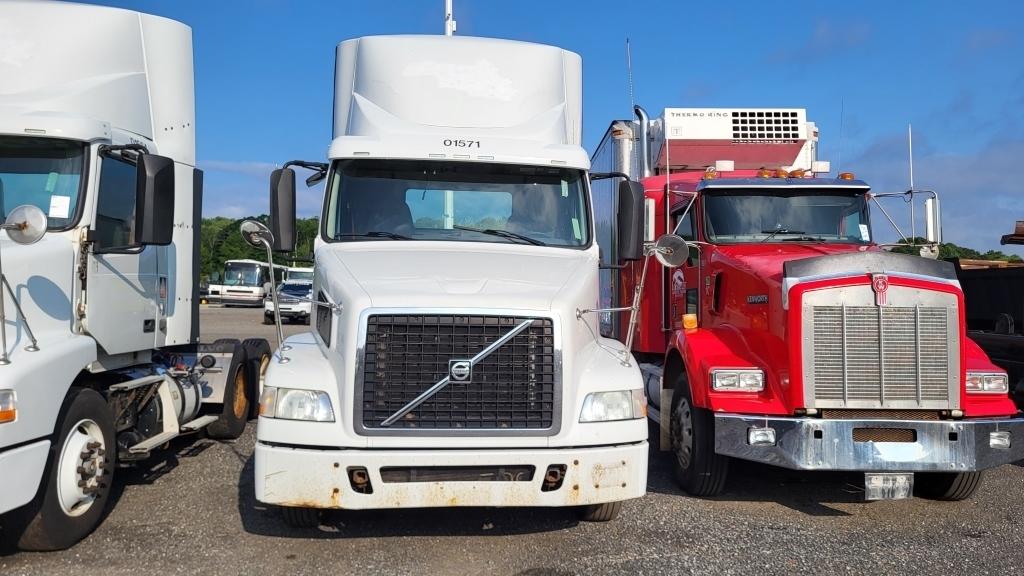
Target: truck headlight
[(987, 383), (8, 406), (611, 406), (737, 380), (289, 404)]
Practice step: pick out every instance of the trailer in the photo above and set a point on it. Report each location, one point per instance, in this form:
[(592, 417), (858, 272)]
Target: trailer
[(100, 360), (789, 337)]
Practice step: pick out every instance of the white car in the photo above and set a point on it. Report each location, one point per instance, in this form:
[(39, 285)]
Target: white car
[(294, 298)]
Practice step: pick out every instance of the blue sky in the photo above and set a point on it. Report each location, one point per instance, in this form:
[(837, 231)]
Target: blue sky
[(863, 70)]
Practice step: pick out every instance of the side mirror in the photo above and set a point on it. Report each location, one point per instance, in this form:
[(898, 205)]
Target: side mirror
[(26, 224), (282, 209), (629, 220), (933, 220), (154, 200), (671, 251)]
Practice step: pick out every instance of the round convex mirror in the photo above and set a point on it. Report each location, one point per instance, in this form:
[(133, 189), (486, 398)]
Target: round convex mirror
[(253, 232), (26, 224), (671, 251)]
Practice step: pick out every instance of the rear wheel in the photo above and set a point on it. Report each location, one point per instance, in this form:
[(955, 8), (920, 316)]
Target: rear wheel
[(949, 486), (76, 488), (301, 517), (257, 357), (601, 512), (698, 468), (235, 411)]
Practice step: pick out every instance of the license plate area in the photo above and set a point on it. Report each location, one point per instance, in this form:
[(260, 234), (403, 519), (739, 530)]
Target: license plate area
[(888, 486)]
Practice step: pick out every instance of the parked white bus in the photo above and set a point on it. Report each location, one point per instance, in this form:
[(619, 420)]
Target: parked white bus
[(245, 283)]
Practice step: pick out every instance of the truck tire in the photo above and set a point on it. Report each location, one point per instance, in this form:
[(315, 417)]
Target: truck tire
[(601, 512), (301, 517), (76, 487), (257, 357), (948, 486), (235, 411), (699, 470)]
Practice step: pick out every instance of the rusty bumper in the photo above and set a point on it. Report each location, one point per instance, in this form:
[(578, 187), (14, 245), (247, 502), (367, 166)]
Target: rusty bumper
[(311, 478)]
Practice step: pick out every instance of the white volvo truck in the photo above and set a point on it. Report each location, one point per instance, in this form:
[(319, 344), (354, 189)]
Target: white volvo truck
[(455, 358), (100, 200)]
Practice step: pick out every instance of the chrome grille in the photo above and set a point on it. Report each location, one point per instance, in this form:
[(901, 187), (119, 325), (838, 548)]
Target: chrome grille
[(514, 390), (881, 356)]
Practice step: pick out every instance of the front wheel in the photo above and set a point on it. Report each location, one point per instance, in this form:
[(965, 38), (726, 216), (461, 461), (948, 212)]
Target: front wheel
[(76, 489), (601, 512), (949, 486), (698, 468)]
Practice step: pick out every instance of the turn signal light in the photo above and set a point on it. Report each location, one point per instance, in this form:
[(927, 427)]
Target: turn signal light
[(846, 175), (8, 411), (689, 321)]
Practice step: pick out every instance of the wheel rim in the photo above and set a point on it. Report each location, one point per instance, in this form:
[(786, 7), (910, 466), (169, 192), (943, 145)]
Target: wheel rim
[(239, 403), (81, 468), (682, 433)]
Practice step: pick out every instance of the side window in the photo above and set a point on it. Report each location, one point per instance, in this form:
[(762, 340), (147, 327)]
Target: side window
[(115, 205), (684, 226)]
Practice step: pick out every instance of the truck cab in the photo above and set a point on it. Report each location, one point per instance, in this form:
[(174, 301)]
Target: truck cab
[(789, 336), (450, 364)]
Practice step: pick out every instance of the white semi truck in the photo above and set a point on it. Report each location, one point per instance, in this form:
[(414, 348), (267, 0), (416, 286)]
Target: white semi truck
[(101, 204), (455, 358)]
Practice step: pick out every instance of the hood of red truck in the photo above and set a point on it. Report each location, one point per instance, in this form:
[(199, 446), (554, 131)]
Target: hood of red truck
[(765, 260)]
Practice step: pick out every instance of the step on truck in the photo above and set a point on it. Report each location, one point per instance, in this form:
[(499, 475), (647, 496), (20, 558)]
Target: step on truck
[(453, 360), (101, 204), (789, 336)]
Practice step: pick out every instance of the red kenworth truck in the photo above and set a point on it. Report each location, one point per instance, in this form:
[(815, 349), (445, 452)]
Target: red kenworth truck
[(790, 336)]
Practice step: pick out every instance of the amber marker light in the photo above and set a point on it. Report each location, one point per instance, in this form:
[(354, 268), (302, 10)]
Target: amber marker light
[(764, 173), (689, 321), (780, 173), (846, 176), (8, 411)]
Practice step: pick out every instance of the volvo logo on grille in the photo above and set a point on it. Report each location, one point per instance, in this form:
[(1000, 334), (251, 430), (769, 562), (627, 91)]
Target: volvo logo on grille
[(880, 284), (460, 370)]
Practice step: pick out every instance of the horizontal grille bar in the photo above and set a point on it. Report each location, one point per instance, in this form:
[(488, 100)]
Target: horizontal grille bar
[(518, 473), (515, 388)]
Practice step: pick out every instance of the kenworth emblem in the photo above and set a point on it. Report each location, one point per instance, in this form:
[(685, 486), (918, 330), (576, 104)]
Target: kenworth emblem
[(460, 370), (880, 284)]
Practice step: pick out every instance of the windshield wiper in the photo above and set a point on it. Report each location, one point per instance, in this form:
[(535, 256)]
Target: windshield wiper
[(771, 233), (375, 234), (502, 234), (805, 239)]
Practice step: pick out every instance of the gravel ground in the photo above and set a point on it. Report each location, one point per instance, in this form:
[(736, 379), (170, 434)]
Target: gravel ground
[(191, 510)]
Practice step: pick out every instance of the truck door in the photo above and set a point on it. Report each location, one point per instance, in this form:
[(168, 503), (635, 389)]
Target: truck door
[(683, 282), (123, 282)]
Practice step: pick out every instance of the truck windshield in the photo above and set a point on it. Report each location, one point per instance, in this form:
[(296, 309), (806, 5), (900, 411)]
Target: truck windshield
[(44, 172), (738, 216), (456, 201), (243, 274)]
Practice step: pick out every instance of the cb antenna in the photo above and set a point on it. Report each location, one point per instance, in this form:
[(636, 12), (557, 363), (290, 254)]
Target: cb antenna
[(629, 73), (449, 19), (910, 155)]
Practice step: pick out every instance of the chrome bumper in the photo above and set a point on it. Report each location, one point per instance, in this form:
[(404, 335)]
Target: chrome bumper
[(820, 444)]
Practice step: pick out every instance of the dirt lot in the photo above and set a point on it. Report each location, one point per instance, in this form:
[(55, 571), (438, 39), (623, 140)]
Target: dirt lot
[(191, 510)]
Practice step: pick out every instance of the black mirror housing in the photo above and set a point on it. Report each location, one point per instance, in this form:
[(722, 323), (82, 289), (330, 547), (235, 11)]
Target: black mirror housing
[(629, 220), (282, 209), (154, 200)]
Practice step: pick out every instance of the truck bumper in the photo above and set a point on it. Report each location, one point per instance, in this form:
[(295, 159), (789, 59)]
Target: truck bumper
[(22, 469), (822, 444), (314, 478)]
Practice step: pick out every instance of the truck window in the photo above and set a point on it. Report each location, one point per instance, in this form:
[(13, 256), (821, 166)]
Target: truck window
[(457, 201), (737, 216), (115, 205), (43, 172), (684, 225)]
